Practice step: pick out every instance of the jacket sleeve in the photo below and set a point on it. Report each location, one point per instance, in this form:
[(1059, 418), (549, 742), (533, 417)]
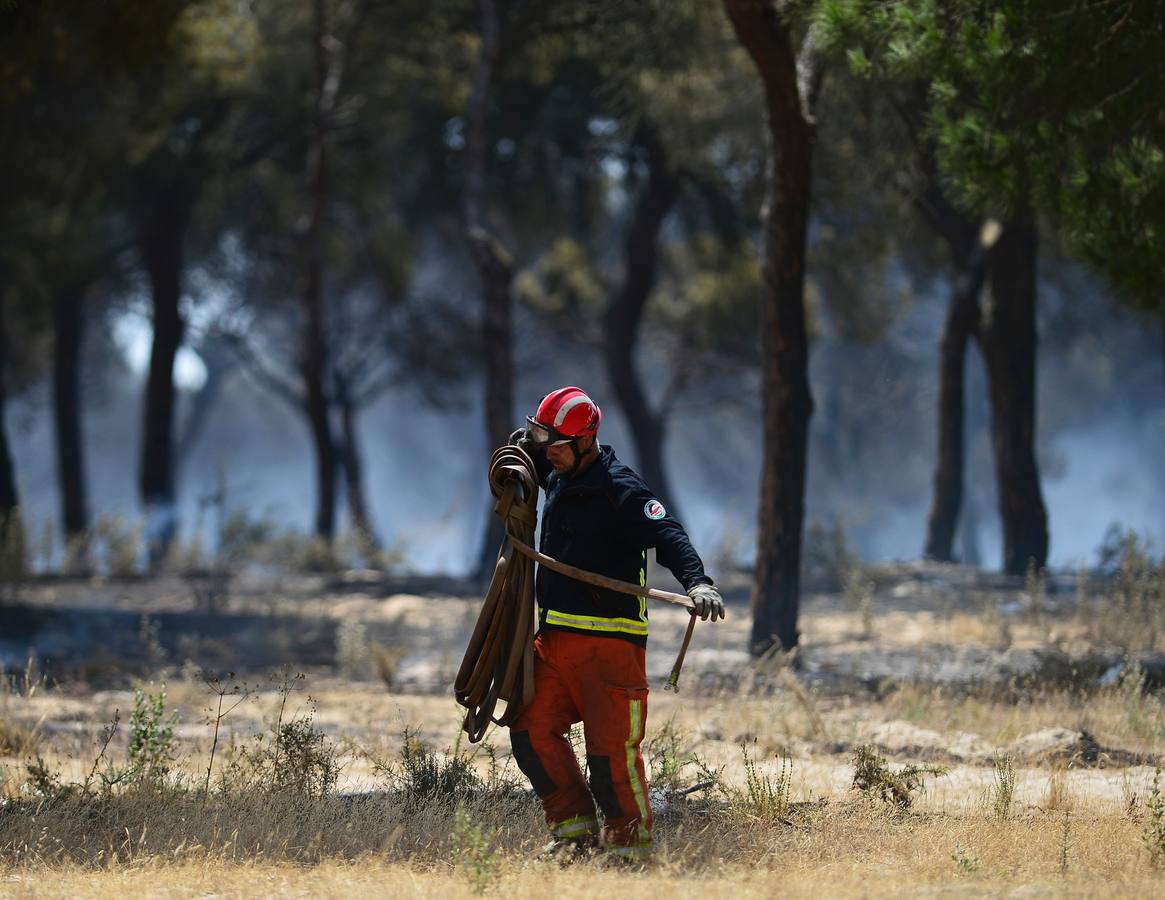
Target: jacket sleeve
[(644, 521), (542, 466)]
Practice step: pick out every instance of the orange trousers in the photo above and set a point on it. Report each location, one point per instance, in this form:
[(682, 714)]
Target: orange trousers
[(601, 682)]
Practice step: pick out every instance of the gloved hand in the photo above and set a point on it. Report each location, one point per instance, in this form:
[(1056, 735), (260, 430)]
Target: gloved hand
[(708, 601), (521, 439)]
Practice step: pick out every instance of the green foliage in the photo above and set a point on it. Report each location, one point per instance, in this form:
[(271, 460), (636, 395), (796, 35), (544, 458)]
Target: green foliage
[(966, 864), (1143, 713), (765, 797), (294, 759), (240, 538), (1154, 832), (562, 283), (118, 542), (303, 759), (874, 778), (709, 298), (151, 738), (1033, 104), (424, 778), (675, 770), (45, 782), (1130, 609), (1003, 788), (474, 851)]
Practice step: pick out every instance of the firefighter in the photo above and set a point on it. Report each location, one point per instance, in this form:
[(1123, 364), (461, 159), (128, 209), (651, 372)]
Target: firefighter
[(590, 650)]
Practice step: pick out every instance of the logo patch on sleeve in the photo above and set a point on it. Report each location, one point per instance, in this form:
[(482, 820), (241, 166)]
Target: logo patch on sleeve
[(653, 509)]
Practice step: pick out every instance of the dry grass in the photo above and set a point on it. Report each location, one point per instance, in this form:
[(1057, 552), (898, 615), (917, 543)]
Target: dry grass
[(1059, 837), (844, 850), (781, 817)]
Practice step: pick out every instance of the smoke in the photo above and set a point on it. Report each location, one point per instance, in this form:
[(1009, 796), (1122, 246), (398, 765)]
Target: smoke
[(871, 455)]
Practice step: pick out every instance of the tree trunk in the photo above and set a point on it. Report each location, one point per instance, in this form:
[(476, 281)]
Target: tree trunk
[(787, 401), (12, 559), (962, 321), (494, 266), (1008, 338), (69, 332), (969, 554), (314, 356), (353, 466), (625, 314), (9, 499), (162, 255)]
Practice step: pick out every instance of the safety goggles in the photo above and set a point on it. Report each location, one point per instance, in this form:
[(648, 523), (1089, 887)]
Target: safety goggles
[(545, 435)]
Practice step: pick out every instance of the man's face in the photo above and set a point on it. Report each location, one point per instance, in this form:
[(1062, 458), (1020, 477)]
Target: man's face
[(562, 457)]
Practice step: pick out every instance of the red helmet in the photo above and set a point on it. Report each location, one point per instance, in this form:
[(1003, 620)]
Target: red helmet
[(564, 415)]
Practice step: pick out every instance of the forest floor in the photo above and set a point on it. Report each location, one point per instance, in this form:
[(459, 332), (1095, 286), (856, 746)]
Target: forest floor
[(1008, 731)]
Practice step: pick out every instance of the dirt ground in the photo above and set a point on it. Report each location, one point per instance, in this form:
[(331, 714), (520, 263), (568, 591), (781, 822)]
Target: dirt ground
[(929, 665)]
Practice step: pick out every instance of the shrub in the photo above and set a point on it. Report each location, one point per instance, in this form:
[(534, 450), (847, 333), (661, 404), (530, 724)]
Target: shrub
[(473, 851), (151, 739), (1130, 612), (765, 797), (121, 545), (1003, 792), (966, 864), (874, 778), (424, 778), (17, 739), (1154, 833), (674, 770), (294, 758), (1142, 710)]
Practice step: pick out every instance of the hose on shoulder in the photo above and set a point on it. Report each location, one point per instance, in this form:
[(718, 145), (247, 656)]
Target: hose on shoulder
[(499, 661)]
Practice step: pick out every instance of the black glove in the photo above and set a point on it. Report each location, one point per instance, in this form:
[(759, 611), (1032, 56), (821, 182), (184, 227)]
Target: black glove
[(707, 601), (522, 440)]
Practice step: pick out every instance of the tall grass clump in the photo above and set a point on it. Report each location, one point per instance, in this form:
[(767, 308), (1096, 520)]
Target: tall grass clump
[(874, 778), (120, 544), (274, 797), (1154, 833), (17, 738), (422, 778), (1003, 788), (765, 797), (1129, 610), (1143, 715), (151, 738), (293, 758), (474, 850), (676, 771)]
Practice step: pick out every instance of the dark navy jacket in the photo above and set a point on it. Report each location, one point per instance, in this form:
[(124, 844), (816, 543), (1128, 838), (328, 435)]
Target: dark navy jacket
[(604, 520)]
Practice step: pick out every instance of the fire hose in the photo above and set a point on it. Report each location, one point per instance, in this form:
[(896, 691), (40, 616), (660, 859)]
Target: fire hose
[(499, 661)]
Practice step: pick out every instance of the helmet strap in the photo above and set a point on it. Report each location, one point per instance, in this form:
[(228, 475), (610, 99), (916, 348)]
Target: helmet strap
[(579, 457)]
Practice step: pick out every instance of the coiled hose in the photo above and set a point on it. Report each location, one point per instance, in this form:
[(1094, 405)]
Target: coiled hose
[(499, 661)]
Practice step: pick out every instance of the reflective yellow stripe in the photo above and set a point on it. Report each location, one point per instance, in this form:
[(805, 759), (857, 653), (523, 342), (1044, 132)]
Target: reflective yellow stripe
[(633, 738), (643, 583), (596, 623), (576, 827)]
